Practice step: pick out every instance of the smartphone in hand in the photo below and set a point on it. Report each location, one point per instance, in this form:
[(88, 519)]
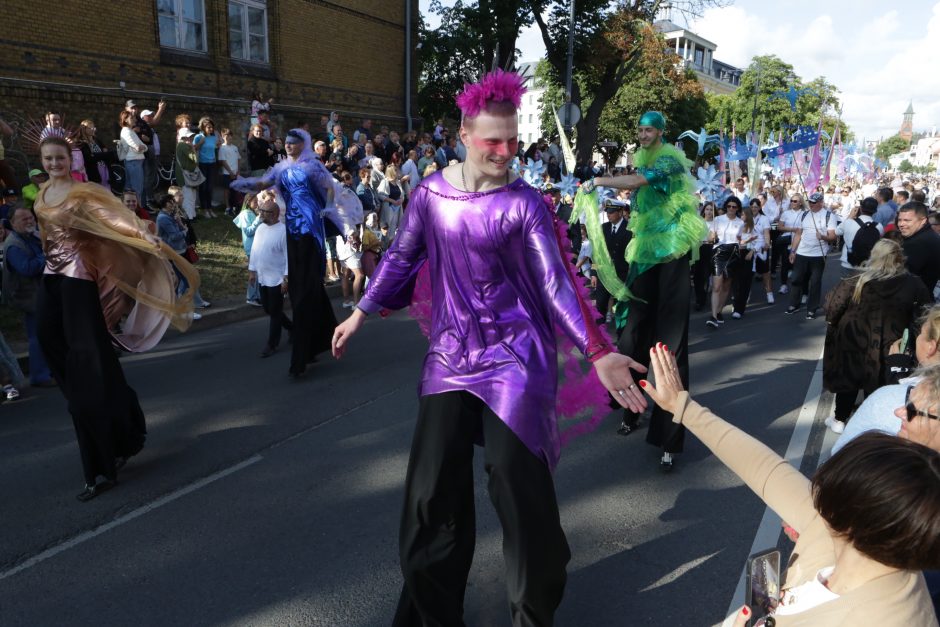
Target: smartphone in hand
[(762, 584)]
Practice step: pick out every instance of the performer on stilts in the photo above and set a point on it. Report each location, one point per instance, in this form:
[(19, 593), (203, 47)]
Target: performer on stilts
[(654, 300), (307, 188), (108, 282), (499, 289)]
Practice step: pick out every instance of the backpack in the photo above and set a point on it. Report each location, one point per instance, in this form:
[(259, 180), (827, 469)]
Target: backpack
[(865, 239)]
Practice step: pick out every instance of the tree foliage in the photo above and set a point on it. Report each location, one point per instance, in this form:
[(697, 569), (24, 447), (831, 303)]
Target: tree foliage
[(657, 83), (472, 37), (758, 100), (891, 146), (612, 42)]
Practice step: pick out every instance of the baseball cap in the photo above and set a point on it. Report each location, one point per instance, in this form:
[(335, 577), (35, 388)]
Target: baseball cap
[(186, 132), (35, 172), (129, 104), (9, 192), (145, 113), (816, 197)]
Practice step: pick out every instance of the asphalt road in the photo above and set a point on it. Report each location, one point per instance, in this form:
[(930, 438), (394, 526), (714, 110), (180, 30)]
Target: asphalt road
[(262, 501)]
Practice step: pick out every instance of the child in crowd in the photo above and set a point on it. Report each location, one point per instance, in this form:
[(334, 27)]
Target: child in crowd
[(248, 221), (349, 252), (229, 159)]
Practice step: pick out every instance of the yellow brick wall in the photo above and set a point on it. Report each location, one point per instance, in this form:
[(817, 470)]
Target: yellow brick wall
[(346, 55)]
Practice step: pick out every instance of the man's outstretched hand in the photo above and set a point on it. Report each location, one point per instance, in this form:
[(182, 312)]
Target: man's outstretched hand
[(613, 370)]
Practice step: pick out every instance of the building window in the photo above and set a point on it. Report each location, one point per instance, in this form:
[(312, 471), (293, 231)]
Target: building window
[(530, 118), (248, 30), (182, 24)]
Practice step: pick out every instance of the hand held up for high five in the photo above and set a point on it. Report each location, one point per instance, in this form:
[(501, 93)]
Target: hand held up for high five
[(666, 373)]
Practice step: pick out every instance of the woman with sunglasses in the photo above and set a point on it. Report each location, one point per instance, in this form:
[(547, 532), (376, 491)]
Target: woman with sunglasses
[(877, 411), (866, 314), (725, 231)]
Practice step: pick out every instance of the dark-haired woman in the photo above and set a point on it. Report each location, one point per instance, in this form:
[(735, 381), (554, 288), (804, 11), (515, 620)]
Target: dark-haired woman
[(868, 522), (724, 231), (102, 266)]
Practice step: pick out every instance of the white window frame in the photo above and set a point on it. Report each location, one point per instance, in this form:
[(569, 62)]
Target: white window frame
[(246, 37), (181, 21)]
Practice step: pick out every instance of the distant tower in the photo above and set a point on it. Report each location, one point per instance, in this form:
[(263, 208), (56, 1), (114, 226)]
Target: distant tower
[(907, 126)]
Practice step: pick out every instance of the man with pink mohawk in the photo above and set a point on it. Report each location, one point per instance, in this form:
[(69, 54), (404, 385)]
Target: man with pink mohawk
[(500, 287)]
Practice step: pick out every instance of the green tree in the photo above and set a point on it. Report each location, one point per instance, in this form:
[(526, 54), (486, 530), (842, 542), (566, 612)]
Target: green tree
[(759, 100), (472, 38), (906, 167), (611, 39), (891, 146)]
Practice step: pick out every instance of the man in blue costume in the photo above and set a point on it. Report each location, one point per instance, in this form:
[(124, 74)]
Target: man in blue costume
[(305, 185)]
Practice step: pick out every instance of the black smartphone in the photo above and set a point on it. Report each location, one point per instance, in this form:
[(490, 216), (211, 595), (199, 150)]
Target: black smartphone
[(762, 587)]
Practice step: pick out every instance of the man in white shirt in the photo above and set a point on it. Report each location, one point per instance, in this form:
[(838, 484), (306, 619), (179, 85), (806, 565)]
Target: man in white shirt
[(850, 228), (410, 169), (741, 193), (267, 266), (787, 225), (815, 232)]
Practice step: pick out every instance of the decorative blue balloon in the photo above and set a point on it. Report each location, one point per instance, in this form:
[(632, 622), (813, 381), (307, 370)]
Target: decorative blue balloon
[(710, 183), (568, 185), (792, 95), (533, 172), (702, 138)]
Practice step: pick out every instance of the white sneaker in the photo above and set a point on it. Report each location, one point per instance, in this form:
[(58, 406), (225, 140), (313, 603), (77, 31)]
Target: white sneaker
[(770, 298), (783, 289), (197, 315), (736, 315), (804, 299), (837, 426), (349, 304), (11, 392)]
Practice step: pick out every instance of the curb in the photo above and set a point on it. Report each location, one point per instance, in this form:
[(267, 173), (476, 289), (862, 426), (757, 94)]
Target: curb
[(213, 318)]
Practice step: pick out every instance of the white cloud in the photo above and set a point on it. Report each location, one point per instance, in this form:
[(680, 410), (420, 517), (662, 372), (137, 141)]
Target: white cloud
[(878, 66)]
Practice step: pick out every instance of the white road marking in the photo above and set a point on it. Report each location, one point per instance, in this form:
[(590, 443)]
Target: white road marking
[(769, 530), (120, 520), (173, 496)]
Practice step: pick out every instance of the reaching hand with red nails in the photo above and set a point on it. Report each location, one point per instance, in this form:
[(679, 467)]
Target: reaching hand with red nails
[(666, 374)]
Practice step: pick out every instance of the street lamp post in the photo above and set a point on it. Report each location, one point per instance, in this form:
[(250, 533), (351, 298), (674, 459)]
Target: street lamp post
[(568, 76)]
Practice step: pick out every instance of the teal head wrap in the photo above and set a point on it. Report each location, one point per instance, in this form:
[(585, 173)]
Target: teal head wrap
[(654, 119)]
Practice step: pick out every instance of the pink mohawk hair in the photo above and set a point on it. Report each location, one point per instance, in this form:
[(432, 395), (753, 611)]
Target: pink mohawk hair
[(495, 86)]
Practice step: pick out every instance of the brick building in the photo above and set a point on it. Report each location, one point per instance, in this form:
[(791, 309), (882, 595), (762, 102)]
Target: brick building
[(206, 57)]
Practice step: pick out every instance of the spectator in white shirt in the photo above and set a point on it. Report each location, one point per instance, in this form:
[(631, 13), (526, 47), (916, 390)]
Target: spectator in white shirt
[(787, 225), (229, 159), (761, 248), (740, 192), (849, 228), (267, 266), (725, 232), (409, 169), (815, 232)]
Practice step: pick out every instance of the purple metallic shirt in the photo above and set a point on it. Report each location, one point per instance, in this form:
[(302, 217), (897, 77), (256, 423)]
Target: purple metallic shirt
[(499, 287)]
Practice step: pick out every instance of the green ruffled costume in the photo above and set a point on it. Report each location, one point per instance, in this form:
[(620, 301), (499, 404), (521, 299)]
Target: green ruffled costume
[(664, 220)]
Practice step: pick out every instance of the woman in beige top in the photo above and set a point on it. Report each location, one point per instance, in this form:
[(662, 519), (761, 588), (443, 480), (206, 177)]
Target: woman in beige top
[(108, 281), (868, 522)]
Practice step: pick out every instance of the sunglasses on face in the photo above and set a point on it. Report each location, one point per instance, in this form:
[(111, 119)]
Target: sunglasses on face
[(912, 411)]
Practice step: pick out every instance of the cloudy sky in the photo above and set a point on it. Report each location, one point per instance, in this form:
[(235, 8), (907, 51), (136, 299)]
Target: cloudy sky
[(880, 55)]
